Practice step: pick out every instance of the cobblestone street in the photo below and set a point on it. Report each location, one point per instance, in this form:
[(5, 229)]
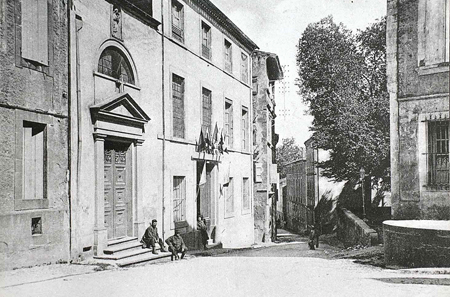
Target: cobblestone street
[(285, 269)]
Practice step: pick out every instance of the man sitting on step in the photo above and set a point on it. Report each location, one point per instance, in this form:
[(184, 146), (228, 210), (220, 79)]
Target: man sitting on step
[(176, 245), (151, 237)]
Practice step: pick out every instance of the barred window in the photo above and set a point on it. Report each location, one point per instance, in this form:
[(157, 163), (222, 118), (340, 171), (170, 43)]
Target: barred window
[(207, 111), (113, 63), (178, 106), (438, 154), (177, 21), (206, 41)]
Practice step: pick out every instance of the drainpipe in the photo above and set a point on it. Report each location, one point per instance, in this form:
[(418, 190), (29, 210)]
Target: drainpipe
[(163, 119), (78, 27), (69, 146)]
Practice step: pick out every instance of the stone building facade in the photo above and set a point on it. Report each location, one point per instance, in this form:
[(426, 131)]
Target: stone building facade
[(116, 113), (34, 110), (297, 213), (205, 130), (418, 85), (266, 71)]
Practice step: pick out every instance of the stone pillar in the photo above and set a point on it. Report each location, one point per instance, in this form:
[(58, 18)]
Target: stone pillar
[(139, 223), (100, 232), (392, 85)]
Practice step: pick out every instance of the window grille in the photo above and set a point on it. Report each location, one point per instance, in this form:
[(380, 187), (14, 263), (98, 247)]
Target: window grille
[(438, 154)]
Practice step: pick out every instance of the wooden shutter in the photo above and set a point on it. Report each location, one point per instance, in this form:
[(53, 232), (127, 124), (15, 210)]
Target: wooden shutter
[(35, 31), (435, 31)]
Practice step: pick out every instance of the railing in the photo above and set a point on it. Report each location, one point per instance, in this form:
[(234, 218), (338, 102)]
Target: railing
[(206, 52)]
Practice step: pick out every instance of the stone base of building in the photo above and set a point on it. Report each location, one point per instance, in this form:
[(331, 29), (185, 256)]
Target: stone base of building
[(417, 243)]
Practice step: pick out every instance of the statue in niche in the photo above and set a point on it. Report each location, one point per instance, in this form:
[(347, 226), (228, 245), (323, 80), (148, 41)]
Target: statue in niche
[(116, 22)]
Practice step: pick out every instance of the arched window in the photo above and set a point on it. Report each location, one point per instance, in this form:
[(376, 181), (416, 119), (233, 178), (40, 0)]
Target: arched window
[(114, 63)]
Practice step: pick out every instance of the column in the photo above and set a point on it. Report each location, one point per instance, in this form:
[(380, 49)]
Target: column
[(100, 232)]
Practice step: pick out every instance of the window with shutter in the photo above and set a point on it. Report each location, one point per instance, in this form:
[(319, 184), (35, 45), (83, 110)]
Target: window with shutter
[(228, 56), (245, 194), (206, 111), (433, 32), (177, 21), (206, 41), (178, 106), (229, 198), (244, 127), (228, 123), (35, 23), (244, 67), (34, 151), (179, 199)]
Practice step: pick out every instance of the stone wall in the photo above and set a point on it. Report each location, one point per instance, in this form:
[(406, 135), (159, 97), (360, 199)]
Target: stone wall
[(418, 93), (410, 244), (31, 92), (354, 231)]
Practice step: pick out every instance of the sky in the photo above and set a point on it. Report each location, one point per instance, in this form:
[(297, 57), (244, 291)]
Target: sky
[(276, 26)]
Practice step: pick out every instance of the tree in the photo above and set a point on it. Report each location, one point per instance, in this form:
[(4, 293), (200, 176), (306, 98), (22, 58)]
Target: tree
[(287, 152), (342, 78)]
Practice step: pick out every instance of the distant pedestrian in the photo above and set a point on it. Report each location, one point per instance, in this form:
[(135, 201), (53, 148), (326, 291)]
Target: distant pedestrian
[(151, 237), (202, 227), (313, 238), (176, 245)]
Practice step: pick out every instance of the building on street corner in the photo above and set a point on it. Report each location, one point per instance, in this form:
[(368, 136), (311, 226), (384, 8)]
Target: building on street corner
[(418, 85), (34, 116), (266, 71)]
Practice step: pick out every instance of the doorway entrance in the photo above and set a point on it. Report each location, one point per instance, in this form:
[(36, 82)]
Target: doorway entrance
[(205, 192), (117, 181)]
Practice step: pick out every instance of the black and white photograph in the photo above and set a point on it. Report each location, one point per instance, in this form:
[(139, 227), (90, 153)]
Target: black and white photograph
[(248, 148)]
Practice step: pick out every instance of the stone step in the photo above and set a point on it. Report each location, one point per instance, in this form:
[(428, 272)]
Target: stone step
[(121, 240), (141, 258), (123, 254), (130, 245)]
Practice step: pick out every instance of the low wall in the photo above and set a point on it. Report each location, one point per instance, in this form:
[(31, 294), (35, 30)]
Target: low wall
[(417, 243), (353, 231)]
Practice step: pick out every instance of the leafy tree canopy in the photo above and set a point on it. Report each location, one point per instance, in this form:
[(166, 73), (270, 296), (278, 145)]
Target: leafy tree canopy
[(287, 152), (342, 78)]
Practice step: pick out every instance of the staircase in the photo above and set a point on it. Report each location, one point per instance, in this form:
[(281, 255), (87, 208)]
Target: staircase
[(128, 251)]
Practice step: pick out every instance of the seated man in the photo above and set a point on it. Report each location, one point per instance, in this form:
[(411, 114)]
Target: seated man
[(151, 237), (176, 245)]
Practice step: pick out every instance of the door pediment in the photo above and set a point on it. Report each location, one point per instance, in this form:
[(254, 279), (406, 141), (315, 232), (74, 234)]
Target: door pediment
[(119, 116)]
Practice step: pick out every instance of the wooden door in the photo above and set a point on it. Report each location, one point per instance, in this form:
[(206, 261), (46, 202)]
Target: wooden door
[(117, 189)]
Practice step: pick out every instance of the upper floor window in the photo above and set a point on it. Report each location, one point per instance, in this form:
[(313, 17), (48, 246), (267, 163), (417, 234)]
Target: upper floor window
[(178, 106), (438, 154), (228, 56), (228, 123), (113, 63), (177, 21), (244, 127), (244, 67), (206, 41), (35, 31), (206, 111), (433, 32), (34, 160)]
